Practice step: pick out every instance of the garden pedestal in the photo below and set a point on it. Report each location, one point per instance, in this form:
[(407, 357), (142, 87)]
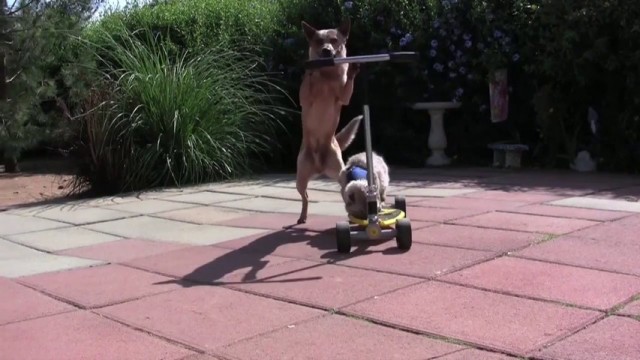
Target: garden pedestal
[(437, 137)]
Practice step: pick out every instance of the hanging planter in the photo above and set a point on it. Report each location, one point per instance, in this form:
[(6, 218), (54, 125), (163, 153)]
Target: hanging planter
[(499, 95)]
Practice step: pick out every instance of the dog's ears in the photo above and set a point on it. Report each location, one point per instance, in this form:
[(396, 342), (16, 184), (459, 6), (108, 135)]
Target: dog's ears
[(309, 31), (345, 27)]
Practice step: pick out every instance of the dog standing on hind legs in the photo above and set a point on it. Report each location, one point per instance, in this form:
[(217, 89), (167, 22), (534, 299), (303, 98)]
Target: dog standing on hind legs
[(323, 92)]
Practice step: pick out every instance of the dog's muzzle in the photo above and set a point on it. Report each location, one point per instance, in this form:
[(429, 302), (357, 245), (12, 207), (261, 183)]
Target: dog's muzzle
[(326, 53)]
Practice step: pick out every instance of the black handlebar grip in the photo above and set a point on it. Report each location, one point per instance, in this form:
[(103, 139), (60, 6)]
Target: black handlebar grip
[(404, 57), (319, 63)]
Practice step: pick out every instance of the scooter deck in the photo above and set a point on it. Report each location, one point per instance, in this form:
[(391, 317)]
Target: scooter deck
[(387, 218)]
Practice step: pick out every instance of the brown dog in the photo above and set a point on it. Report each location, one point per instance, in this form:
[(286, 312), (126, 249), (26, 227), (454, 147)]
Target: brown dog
[(323, 92)]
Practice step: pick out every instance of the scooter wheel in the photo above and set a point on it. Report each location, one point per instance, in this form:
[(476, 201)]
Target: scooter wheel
[(403, 234), (343, 237), (401, 204)]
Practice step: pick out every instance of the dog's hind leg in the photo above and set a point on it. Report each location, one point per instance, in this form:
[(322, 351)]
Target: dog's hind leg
[(304, 172)]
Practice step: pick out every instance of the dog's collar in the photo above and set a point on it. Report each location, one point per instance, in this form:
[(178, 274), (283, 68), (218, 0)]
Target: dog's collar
[(356, 173)]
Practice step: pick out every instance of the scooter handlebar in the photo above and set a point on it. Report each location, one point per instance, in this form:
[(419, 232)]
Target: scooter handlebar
[(397, 57)]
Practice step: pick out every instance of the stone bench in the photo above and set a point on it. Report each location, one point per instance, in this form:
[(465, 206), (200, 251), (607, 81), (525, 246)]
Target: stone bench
[(507, 155)]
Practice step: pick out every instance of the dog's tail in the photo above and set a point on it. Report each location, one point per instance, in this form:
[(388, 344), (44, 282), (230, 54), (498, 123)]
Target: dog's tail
[(348, 133)]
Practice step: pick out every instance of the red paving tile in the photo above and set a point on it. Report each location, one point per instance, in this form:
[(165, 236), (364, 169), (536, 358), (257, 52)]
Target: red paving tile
[(492, 320), (422, 260), (570, 212), (528, 197), (339, 337), (81, 335), (439, 214), (207, 264), (21, 303), (614, 338), (122, 250), (276, 221), (207, 317), (618, 231), (475, 354), (612, 255), (633, 309), (199, 357), (523, 222), (101, 285), (567, 284), (323, 285), (469, 237), (292, 243), (469, 203)]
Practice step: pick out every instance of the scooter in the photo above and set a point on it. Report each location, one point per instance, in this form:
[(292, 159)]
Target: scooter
[(388, 223)]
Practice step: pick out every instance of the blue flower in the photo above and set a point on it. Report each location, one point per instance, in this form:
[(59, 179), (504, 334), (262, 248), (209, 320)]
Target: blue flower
[(380, 18), (443, 32), (436, 24), (446, 3), (433, 53), (453, 75), (451, 64), (516, 57), (434, 43), (438, 67), (408, 37), (348, 4), (466, 36), (468, 43), (452, 48), (289, 42), (459, 92), (462, 70), (497, 34)]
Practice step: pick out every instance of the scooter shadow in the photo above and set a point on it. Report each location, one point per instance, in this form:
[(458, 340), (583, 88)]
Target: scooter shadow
[(231, 267)]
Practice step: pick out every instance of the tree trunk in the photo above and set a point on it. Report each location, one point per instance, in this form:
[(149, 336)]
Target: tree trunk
[(10, 161)]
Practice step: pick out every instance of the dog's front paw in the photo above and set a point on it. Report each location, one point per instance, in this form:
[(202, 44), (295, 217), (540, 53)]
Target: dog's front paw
[(354, 69)]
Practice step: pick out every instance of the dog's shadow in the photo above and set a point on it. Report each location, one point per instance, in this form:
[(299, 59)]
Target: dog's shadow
[(226, 269)]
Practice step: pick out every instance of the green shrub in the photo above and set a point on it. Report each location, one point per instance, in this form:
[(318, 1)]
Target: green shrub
[(159, 120)]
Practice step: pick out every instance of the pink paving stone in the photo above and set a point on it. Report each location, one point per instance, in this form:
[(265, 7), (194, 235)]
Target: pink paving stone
[(614, 338), (523, 222), (506, 323), (633, 309), (199, 357), (475, 354), (468, 203), (475, 238), (21, 303), (612, 255), (570, 212), (339, 337), (316, 223), (207, 317), (618, 231), (323, 285), (432, 214), (123, 250), (421, 261), (208, 264), (101, 285), (293, 243), (81, 336), (567, 284), (529, 197)]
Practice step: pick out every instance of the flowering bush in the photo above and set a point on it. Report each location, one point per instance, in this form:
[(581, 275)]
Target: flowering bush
[(449, 52), (497, 31)]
